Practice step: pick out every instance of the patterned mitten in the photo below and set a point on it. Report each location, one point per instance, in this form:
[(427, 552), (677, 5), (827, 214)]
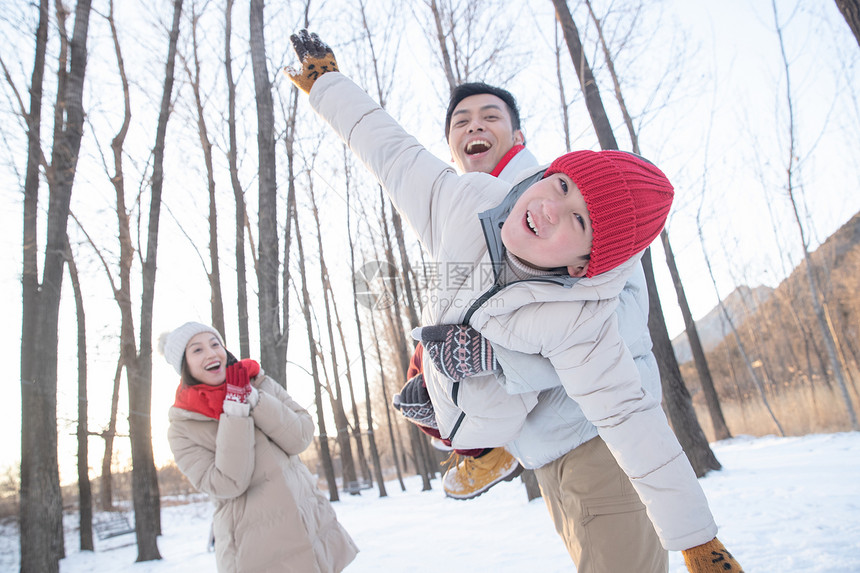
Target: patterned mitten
[(238, 390), (315, 57), (457, 351), (711, 557), (414, 402)]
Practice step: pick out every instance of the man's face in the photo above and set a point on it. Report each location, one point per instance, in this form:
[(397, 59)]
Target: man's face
[(481, 133), (549, 226)]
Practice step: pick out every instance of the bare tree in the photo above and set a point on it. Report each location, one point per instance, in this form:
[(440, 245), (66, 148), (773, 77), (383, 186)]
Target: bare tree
[(41, 502), (827, 334), (371, 438), (336, 396), (675, 394), (108, 434), (472, 41), (325, 455), (214, 273), (389, 421), (238, 192), (85, 495), (145, 496), (273, 348)]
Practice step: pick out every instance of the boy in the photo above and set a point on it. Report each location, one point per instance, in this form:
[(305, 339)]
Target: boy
[(541, 270)]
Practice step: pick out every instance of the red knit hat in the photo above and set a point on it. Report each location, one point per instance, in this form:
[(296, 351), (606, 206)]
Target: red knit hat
[(628, 201)]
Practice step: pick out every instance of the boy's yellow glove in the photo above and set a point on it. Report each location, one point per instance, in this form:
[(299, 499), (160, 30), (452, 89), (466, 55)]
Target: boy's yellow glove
[(315, 57), (711, 557)]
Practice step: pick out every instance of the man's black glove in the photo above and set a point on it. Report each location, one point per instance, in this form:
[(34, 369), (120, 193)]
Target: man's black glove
[(413, 401), (315, 57), (457, 351)]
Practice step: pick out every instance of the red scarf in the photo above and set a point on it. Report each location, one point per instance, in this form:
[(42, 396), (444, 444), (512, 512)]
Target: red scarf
[(209, 400), (201, 398), (506, 159)]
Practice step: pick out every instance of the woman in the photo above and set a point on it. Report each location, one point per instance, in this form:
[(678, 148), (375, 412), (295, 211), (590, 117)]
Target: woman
[(236, 436)]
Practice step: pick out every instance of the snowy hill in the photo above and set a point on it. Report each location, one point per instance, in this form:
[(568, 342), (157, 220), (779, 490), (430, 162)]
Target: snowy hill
[(713, 327)]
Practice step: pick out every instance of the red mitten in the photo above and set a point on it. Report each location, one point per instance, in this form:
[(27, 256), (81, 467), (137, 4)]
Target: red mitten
[(252, 366), (238, 384)]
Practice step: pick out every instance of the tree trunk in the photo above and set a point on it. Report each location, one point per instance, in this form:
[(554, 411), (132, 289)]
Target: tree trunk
[(122, 295), (145, 495), (325, 454), (272, 348), (371, 438), (389, 422), (238, 192), (596, 111), (85, 495), (106, 479), (41, 523), (851, 12), (336, 397), (216, 300), (402, 351), (38, 531), (721, 430), (675, 394)]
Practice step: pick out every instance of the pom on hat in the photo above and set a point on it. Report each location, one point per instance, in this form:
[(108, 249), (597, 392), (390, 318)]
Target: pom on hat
[(172, 344), (628, 200)]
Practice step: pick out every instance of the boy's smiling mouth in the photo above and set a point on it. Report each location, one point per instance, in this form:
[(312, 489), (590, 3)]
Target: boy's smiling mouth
[(531, 224)]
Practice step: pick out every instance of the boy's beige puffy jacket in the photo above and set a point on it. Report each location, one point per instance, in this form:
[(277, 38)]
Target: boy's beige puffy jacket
[(581, 340), (269, 514)]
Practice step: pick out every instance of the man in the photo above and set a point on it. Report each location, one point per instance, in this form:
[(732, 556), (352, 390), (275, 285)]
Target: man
[(591, 501), (564, 448)]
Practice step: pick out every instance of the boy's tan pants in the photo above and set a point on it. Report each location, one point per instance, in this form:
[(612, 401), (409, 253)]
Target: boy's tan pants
[(598, 514)]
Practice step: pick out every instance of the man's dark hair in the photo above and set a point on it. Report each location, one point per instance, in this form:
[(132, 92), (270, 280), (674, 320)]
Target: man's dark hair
[(463, 91)]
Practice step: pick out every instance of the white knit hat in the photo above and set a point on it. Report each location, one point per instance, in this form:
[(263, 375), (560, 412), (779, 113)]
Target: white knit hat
[(172, 344)]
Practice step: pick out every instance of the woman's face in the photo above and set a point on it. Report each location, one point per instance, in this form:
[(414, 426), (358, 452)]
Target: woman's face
[(206, 359)]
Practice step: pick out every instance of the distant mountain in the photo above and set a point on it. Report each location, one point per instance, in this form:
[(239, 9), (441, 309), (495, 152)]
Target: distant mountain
[(712, 328)]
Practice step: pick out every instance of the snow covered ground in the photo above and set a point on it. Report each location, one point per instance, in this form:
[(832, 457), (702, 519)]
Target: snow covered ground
[(782, 504)]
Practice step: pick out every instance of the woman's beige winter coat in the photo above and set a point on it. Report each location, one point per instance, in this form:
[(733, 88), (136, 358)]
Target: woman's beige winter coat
[(269, 514)]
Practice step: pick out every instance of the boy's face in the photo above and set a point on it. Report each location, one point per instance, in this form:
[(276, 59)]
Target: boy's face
[(549, 226), (481, 133)]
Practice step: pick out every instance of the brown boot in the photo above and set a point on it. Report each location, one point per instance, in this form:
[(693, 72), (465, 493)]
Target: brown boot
[(473, 476)]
